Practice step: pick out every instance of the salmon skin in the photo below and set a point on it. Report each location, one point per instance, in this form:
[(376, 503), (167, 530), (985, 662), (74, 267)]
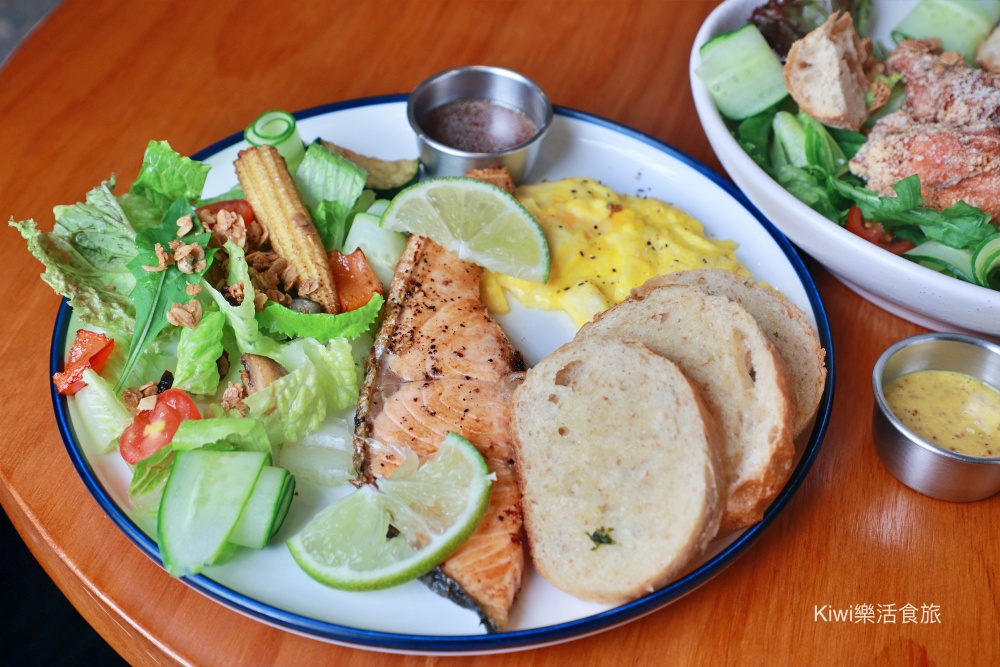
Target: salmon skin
[(440, 363)]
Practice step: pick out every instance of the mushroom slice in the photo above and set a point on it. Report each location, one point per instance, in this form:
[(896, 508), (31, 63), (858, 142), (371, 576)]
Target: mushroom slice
[(260, 371)]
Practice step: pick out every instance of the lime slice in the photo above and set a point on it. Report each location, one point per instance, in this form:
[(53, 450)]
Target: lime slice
[(475, 220), (432, 509)]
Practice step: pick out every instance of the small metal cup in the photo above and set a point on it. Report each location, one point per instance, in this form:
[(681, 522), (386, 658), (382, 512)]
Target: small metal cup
[(501, 86), (920, 465)]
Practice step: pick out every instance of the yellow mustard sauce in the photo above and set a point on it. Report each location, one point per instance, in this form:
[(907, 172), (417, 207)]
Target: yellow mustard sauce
[(952, 410), (602, 244)]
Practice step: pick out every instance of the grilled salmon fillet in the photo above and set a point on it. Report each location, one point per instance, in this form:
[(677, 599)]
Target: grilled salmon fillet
[(440, 363)]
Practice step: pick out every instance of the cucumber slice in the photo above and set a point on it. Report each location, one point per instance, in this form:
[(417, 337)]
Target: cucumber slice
[(278, 129), (381, 246), (378, 207), (743, 75), (960, 24), (266, 508), (938, 256), (202, 502), (986, 259)]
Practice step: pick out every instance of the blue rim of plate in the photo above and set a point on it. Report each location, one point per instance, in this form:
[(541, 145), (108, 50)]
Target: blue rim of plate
[(503, 641)]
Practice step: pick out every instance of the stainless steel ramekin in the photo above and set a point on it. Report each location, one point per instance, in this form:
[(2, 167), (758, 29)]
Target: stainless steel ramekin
[(495, 84), (920, 465)]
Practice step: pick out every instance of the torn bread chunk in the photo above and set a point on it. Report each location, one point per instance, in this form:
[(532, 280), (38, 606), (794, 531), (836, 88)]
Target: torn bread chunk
[(824, 73)]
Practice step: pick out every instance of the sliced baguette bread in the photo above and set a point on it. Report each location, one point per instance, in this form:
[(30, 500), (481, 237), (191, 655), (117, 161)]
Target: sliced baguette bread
[(719, 345), (620, 469), (782, 322)]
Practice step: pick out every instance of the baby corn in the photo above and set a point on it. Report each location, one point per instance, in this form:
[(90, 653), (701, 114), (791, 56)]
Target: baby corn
[(276, 203)]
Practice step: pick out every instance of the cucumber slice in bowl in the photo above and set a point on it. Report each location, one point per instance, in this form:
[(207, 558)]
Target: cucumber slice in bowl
[(741, 72)]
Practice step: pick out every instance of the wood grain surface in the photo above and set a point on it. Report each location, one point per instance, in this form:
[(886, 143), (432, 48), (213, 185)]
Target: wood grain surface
[(99, 79)]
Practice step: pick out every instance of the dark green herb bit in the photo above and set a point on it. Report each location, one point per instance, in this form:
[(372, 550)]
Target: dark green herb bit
[(601, 536)]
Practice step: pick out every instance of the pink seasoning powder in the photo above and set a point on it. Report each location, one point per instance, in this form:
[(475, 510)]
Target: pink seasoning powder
[(478, 126)]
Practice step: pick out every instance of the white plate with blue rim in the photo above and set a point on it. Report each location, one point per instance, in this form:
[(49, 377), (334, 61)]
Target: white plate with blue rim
[(268, 585)]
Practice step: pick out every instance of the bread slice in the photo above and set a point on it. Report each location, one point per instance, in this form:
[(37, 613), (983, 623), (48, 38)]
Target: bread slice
[(824, 73), (620, 469), (782, 322), (719, 345)]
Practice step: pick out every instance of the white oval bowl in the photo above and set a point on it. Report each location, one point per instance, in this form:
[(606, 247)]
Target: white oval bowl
[(904, 288)]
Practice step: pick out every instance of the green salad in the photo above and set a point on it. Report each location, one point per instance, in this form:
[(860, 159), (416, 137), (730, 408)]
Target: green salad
[(743, 73), (174, 323)]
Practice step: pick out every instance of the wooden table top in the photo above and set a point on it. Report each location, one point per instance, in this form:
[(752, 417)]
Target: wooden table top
[(96, 81)]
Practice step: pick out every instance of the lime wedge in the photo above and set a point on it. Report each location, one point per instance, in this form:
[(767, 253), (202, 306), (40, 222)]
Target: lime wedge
[(431, 510), (475, 220)]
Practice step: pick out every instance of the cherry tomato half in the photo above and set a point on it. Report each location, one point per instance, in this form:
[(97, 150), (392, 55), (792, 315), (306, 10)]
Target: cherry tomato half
[(875, 233), (238, 206), (152, 430), (90, 350)]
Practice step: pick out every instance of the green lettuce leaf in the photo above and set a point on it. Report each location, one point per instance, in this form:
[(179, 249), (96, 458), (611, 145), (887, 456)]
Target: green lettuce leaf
[(141, 212), (322, 379), (102, 414), (958, 226), (242, 433), (330, 186), (156, 292), (198, 352), (331, 221), (278, 319), (86, 257), (754, 135), (98, 229), (148, 479), (235, 192), (326, 176), (93, 294), (166, 176)]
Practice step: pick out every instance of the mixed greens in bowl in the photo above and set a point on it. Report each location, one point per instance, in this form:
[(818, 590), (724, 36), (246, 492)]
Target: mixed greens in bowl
[(891, 247)]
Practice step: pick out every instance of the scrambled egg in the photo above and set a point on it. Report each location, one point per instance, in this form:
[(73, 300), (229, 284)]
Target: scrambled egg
[(602, 245)]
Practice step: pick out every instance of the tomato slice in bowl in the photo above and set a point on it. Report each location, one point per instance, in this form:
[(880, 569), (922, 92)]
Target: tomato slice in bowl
[(153, 429), (875, 233)]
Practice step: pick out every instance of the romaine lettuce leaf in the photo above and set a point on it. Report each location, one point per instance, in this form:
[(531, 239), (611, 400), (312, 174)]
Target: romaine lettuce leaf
[(321, 379), (198, 352), (99, 230), (85, 257), (330, 186), (243, 433), (103, 415), (278, 319), (326, 176), (166, 175), (141, 212)]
